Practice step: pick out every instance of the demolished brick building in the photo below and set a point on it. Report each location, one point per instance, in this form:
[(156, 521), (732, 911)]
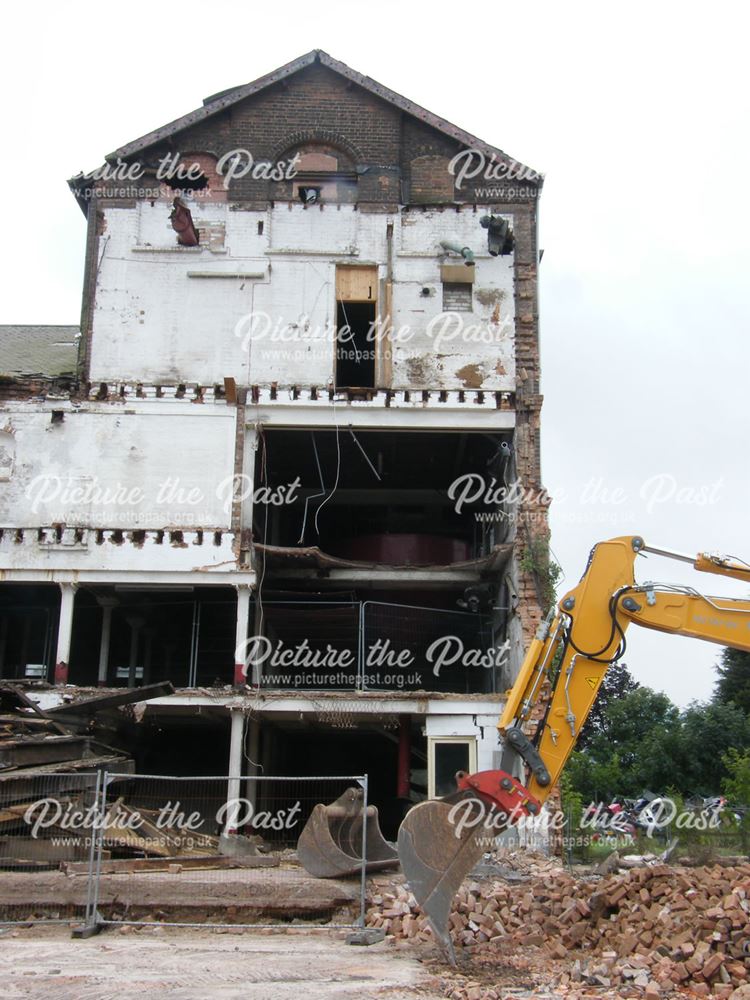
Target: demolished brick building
[(290, 462)]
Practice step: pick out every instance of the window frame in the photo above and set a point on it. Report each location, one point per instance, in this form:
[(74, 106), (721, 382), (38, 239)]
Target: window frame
[(432, 742)]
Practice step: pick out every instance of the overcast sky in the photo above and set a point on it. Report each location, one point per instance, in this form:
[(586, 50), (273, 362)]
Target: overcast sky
[(637, 114)]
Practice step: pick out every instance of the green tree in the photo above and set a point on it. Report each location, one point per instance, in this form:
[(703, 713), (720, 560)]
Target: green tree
[(634, 750), (709, 732), (618, 682), (736, 785), (646, 743), (572, 805), (733, 684), (595, 778)]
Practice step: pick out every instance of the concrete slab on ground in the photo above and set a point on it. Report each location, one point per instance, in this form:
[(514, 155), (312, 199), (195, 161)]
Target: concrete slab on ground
[(263, 890), (186, 964)]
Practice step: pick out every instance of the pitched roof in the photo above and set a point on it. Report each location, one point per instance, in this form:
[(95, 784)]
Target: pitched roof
[(38, 350), (227, 98)]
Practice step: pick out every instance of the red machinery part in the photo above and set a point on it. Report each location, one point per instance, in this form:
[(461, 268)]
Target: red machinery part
[(502, 791)]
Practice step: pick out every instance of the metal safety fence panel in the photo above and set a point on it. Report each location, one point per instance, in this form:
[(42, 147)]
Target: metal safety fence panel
[(48, 845), (406, 647), (213, 851)]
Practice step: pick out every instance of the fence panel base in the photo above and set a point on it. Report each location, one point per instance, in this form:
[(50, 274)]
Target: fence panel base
[(213, 851), (48, 846)]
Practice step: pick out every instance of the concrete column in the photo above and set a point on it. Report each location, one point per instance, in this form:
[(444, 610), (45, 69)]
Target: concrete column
[(107, 605), (64, 632), (236, 739), (240, 637)]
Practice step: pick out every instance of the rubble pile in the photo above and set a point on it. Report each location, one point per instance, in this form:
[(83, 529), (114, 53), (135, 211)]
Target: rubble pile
[(525, 862), (646, 932)]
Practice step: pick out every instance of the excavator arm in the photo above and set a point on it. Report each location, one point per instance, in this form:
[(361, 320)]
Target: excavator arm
[(550, 701)]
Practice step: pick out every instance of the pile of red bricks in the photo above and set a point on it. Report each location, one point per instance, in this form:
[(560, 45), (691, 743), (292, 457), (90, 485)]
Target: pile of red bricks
[(648, 932)]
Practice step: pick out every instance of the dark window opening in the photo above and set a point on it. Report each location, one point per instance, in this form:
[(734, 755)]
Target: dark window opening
[(186, 183), (28, 631), (432, 637), (359, 640), (450, 758), (388, 639), (308, 195), (184, 636), (322, 174), (407, 498), (355, 345), (321, 749)]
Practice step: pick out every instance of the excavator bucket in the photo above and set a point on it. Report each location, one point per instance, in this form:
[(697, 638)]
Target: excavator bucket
[(440, 841), (436, 855), (330, 846)]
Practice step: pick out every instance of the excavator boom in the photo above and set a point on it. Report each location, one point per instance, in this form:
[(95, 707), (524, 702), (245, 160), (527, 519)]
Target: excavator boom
[(561, 674)]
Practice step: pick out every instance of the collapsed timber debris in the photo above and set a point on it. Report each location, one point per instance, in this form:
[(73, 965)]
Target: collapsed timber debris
[(55, 754)]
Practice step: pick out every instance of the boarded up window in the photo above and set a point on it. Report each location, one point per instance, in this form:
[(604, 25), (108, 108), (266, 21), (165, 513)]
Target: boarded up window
[(456, 297), (356, 294)]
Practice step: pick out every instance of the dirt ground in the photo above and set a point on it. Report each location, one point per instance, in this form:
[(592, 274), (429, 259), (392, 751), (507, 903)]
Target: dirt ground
[(44, 961)]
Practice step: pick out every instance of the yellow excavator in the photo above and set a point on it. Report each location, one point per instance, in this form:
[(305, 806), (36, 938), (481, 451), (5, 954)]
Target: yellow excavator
[(438, 843)]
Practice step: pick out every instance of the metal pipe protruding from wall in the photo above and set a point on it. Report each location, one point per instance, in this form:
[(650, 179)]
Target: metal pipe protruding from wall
[(465, 252)]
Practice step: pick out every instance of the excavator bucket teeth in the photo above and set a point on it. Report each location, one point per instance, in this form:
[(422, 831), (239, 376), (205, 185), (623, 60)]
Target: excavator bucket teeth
[(330, 846), (436, 855)]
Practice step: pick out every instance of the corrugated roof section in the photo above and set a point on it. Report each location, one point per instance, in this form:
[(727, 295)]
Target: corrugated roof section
[(38, 350)]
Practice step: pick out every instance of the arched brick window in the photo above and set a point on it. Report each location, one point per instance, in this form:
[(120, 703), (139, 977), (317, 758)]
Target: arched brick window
[(324, 173)]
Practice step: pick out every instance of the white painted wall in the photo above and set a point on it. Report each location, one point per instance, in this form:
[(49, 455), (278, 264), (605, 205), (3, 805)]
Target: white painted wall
[(484, 730), (153, 322), (467, 350), (156, 465), (39, 556)]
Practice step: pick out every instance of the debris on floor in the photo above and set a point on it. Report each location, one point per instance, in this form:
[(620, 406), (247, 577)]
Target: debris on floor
[(33, 744), (648, 932)]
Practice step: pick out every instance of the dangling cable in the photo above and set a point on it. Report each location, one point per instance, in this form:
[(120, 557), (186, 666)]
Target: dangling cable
[(301, 539), (338, 469)]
